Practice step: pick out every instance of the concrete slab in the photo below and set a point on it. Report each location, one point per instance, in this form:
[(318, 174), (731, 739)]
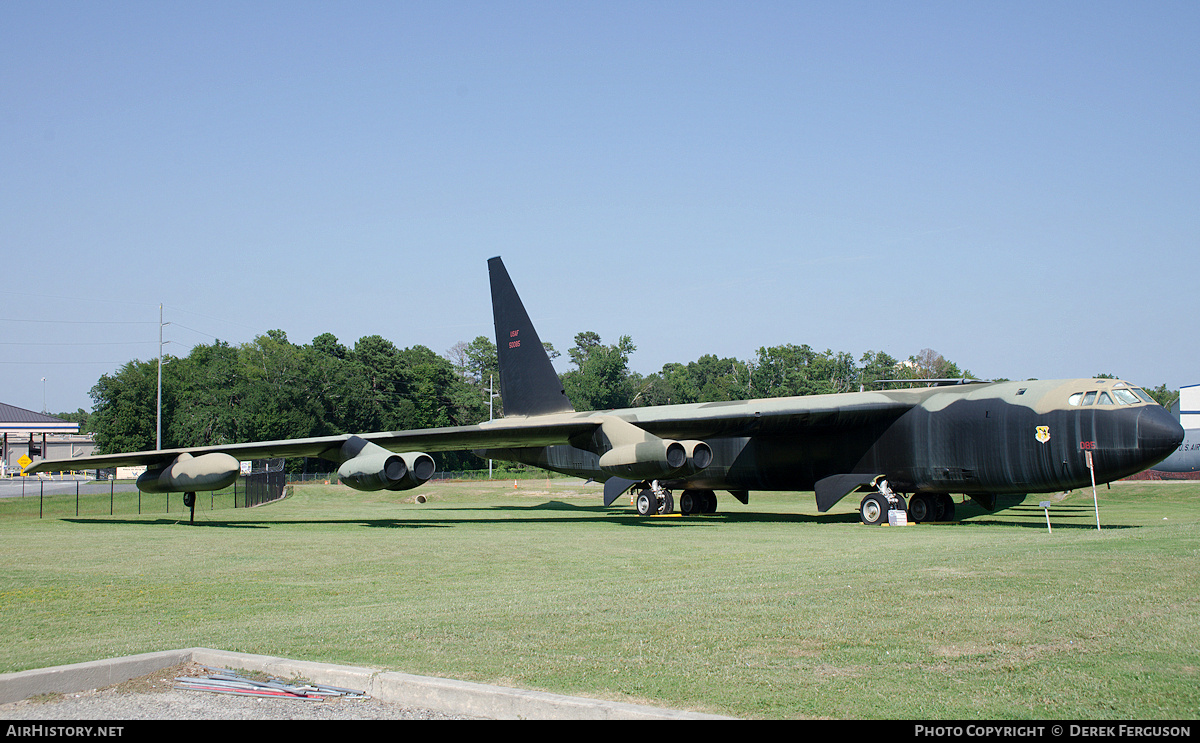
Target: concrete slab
[(441, 695), (94, 674)]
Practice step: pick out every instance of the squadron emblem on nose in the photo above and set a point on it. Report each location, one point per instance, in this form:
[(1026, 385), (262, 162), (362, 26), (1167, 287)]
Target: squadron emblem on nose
[(1043, 434)]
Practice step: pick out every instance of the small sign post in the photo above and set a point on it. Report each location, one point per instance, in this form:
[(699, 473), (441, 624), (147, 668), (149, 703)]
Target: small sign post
[(1046, 507), (1095, 501)]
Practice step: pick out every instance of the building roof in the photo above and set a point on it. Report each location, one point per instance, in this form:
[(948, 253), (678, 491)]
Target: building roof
[(13, 418)]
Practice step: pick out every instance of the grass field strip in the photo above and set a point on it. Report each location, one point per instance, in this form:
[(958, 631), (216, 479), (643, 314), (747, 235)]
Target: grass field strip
[(221, 681)]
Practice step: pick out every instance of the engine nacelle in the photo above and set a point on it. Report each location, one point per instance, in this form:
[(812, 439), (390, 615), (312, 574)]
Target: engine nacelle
[(374, 468), (189, 474), (656, 459)]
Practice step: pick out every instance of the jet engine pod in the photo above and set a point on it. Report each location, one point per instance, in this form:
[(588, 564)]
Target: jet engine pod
[(656, 459), (420, 468), (374, 468), (189, 474), (699, 456)]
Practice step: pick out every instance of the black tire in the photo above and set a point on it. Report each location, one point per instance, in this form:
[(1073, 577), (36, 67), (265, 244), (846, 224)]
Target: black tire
[(873, 510), (920, 508), (647, 503), (189, 499), (710, 502), (690, 503), (947, 507)]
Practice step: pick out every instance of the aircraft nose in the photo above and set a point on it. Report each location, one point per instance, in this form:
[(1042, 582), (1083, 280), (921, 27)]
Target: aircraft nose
[(1159, 433)]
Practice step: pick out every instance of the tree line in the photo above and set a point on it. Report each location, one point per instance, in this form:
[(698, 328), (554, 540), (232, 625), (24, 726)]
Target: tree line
[(271, 388)]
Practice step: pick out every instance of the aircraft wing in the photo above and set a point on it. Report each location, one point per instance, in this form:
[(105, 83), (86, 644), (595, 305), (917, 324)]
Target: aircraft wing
[(700, 421), (499, 434)]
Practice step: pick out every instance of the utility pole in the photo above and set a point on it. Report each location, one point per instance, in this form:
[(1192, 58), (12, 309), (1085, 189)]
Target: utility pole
[(491, 397), (158, 437)]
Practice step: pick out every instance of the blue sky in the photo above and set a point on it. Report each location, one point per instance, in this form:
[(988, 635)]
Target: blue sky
[(1014, 185)]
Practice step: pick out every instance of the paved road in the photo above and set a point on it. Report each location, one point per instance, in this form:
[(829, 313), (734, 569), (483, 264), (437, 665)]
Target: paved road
[(31, 487)]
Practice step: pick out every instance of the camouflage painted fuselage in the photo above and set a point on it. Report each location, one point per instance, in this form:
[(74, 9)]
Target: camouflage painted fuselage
[(975, 439)]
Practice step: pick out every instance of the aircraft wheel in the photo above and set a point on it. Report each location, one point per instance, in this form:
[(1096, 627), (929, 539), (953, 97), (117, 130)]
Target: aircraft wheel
[(709, 501), (938, 508), (647, 504), (947, 504), (189, 499), (668, 504), (873, 509), (690, 502), (919, 508)]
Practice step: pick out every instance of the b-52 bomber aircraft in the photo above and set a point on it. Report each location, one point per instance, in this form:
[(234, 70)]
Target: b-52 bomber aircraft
[(906, 449)]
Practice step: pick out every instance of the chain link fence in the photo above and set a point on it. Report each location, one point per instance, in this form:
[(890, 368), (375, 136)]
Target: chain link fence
[(266, 481), (69, 497)]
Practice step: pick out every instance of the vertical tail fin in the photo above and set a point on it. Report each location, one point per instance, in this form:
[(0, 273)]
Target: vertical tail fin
[(528, 382)]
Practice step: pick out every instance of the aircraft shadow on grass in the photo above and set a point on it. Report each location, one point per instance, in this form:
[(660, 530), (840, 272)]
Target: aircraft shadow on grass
[(532, 514)]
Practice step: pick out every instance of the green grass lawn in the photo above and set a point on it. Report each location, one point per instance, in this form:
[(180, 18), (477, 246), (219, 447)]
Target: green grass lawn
[(768, 610)]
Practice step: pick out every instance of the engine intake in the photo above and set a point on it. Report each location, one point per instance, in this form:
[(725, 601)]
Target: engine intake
[(656, 458), (371, 467)]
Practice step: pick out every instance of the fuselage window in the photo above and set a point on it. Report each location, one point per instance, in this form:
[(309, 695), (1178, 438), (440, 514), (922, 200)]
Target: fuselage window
[(1074, 399), (1089, 398), (1125, 397), (1104, 399)]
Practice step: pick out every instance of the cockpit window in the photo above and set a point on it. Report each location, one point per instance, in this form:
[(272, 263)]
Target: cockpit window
[(1125, 397), (1104, 399), (1089, 398), (1142, 394), (1074, 399)]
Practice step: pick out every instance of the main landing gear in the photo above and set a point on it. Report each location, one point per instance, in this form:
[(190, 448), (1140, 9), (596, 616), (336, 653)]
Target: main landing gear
[(652, 499), (921, 507), (931, 507), (874, 508)]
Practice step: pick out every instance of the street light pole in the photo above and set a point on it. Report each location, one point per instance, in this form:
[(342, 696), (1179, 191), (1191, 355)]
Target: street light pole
[(158, 436), (491, 397)]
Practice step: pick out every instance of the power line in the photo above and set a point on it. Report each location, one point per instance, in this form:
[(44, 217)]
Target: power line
[(71, 343), (63, 363), (82, 322)]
